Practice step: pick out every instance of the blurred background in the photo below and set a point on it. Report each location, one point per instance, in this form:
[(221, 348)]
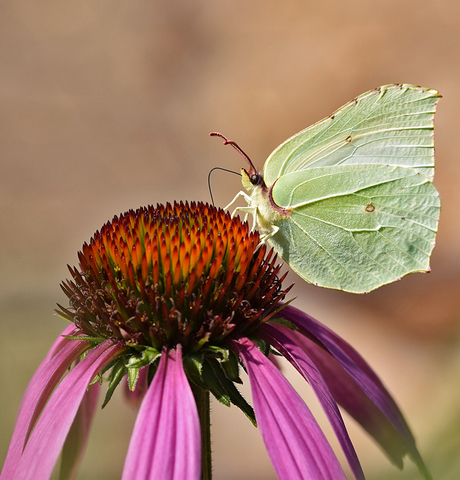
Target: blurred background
[(107, 105)]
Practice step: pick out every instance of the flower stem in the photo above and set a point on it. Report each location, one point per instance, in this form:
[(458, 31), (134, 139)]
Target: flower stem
[(203, 404)]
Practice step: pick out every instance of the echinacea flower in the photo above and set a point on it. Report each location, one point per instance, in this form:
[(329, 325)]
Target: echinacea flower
[(172, 301)]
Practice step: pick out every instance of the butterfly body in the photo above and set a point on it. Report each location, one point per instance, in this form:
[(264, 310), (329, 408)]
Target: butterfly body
[(349, 202)]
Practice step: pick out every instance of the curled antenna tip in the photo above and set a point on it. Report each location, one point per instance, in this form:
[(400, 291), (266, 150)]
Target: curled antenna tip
[(253, 170), (217, 134)]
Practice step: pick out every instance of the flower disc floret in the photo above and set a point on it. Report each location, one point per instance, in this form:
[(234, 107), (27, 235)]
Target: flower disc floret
[(164, 275)]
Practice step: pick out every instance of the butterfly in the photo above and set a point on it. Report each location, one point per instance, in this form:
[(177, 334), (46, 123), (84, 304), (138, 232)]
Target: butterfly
[(349, 202)]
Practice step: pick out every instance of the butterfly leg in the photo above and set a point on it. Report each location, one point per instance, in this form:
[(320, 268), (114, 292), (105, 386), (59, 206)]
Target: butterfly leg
[(238, 195), (248, 210), (265, 236), (274, 229)]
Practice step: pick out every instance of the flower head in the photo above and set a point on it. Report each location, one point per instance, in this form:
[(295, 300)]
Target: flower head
[(176, 299), (182, 274)]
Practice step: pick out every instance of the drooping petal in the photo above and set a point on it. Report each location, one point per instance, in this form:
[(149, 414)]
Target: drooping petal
[(77, 439), (63, 353), (301, 361), (55, 348), (166, 441), (350, 396), (355, 386), (49, 434), (296, 445)]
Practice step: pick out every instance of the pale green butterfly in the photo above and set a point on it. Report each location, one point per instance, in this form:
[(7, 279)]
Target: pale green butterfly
[(348, 203)]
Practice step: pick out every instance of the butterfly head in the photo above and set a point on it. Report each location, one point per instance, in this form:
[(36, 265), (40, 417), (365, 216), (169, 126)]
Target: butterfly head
[(252, 179)]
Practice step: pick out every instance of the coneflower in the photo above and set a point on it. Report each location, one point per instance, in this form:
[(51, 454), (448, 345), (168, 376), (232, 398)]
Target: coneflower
[(172, 301)]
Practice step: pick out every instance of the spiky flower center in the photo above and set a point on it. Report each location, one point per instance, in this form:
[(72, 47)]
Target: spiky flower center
[(182, 273)]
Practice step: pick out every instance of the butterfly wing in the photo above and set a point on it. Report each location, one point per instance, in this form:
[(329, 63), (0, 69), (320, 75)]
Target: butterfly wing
[(391, 125), (356, 227)]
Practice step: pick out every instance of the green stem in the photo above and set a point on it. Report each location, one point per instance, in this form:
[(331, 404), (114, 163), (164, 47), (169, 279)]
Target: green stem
[(202, 402)]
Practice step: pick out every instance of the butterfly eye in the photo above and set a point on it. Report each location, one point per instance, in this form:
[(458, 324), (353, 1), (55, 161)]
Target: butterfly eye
[(255, 179)]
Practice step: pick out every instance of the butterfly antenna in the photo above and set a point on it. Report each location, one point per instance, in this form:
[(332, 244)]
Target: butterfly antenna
[(252, 170), (209, 179)]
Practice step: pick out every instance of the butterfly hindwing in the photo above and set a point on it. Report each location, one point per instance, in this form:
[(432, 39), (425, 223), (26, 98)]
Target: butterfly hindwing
[(358, 227)]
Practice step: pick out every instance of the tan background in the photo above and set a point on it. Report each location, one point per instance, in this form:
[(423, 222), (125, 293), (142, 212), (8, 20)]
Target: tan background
[(107, 105)]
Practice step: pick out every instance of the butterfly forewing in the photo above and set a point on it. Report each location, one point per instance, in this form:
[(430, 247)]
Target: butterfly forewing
[(391, 125)]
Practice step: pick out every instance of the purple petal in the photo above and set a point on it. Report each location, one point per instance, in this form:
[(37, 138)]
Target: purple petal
[(166, 441), (48, 436), (301, 361), (77, 439), (296, 445), (37, 395), (355, 386), (57, 346), (350, 396)]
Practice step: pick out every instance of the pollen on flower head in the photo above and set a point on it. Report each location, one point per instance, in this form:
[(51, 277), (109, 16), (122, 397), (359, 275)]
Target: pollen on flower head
[(182, 273)]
